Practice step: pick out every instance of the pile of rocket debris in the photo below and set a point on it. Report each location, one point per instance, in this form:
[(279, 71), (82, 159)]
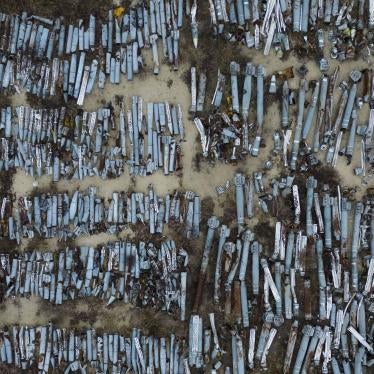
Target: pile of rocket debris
[(324, 130), (50, 215), (331, 123), (46, 348), (226, 135), (142, 274), (52, 142), (37, 54), (312, 259), (266, 24)]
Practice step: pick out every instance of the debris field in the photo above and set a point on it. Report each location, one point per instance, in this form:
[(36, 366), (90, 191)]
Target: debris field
[(187, 186)]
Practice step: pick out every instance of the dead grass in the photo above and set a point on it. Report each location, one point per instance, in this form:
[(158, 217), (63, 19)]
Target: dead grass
[(159, 324), (51, 102), (229, 211), (264, 234), (6, 181), (50, 189), (4, 101), (326, 175), (207, 209), (5, 369)]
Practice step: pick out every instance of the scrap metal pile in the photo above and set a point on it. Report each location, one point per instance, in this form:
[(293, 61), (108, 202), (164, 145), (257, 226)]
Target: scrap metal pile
[(55, 143), (65, 215), (331, 130), (323, 129), (312, 253), (141, 274), (43, 55), (46, 348), (229, 135), (266, 24)]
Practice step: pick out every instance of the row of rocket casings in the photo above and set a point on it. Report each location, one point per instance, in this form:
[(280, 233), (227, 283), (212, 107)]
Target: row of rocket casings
[(40, 45), (52, 142), (80, 213), (71, 77), (21, 34), (47, 347), (39, 37), (329, 127), (164, 18), (144, 274), (263, 27)]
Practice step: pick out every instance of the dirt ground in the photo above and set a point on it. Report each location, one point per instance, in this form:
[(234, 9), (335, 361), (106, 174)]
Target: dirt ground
[(171, 86)]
